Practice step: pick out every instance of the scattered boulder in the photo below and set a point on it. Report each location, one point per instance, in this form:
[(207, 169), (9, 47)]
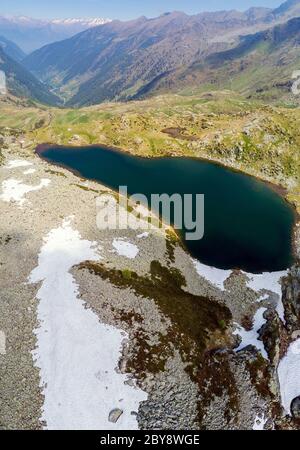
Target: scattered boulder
[(291, 298), (115, 415), (270, 334), (295, 408)]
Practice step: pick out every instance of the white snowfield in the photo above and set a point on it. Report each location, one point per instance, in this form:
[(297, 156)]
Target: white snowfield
[(29, 171), (264, 282), (143, 235), (125, 248), (216, 277), (93, 22), (259, 422), (77, 355), (251, 337), (289, 376), (15, 163), (15, 190), (268, 281)]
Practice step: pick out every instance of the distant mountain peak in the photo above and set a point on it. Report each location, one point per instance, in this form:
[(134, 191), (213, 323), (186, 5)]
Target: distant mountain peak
[(286, 7), (29, 33), (131, 59), (91, 22)]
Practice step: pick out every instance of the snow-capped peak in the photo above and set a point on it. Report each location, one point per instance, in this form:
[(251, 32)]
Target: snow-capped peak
[(93, 22)]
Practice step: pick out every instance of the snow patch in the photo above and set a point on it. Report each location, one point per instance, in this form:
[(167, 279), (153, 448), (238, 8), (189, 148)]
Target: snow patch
[(29, 171), (13, 164), (215, 276), (262, 298), (15, 190), (251, 337), (143, 235), (124, 248), (76, 354), (268, 281), (259, 422), (280, 310), (83, 22), (289, 375)]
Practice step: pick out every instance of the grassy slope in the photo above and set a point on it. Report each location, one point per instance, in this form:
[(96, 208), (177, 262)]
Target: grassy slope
[(259, 140)]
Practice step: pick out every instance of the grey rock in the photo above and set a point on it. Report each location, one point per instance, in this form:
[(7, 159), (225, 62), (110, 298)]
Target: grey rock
[(291, 295), (115, 415), (295, 407)]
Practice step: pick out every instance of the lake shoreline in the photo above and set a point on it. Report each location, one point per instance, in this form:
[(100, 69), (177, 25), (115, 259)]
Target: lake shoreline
[(43, 212), (277, 188)]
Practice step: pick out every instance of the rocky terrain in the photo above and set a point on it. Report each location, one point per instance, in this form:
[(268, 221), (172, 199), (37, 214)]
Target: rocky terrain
[(123, 329), (193, 347)]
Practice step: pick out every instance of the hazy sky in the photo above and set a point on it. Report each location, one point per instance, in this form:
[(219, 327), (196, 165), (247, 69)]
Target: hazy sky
[(120, 9)]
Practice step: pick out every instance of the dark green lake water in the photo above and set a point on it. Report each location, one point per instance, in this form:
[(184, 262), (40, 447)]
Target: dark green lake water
[(247, 224)]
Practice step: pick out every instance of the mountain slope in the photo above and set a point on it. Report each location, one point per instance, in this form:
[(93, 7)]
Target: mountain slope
[(121, 60), (117, 59), (21, 83), (286, 10), (261, 66), (30, 34), (11, 49)]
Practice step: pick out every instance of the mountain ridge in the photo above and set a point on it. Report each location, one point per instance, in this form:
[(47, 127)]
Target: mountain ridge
[(122, 60), (30, 34), (260, 66), (12, 49), (21, 83)]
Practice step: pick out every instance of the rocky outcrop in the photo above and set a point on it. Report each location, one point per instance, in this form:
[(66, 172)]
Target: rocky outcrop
[(270, 334), (291, 299), (295, 408)]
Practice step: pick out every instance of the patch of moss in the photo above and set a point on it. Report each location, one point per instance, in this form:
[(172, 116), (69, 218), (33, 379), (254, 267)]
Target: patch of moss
[(247, 323), (215, 379), (194, 318), (260, 375), (55, 172), (222, 324), (85, 188), (126, 274)]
